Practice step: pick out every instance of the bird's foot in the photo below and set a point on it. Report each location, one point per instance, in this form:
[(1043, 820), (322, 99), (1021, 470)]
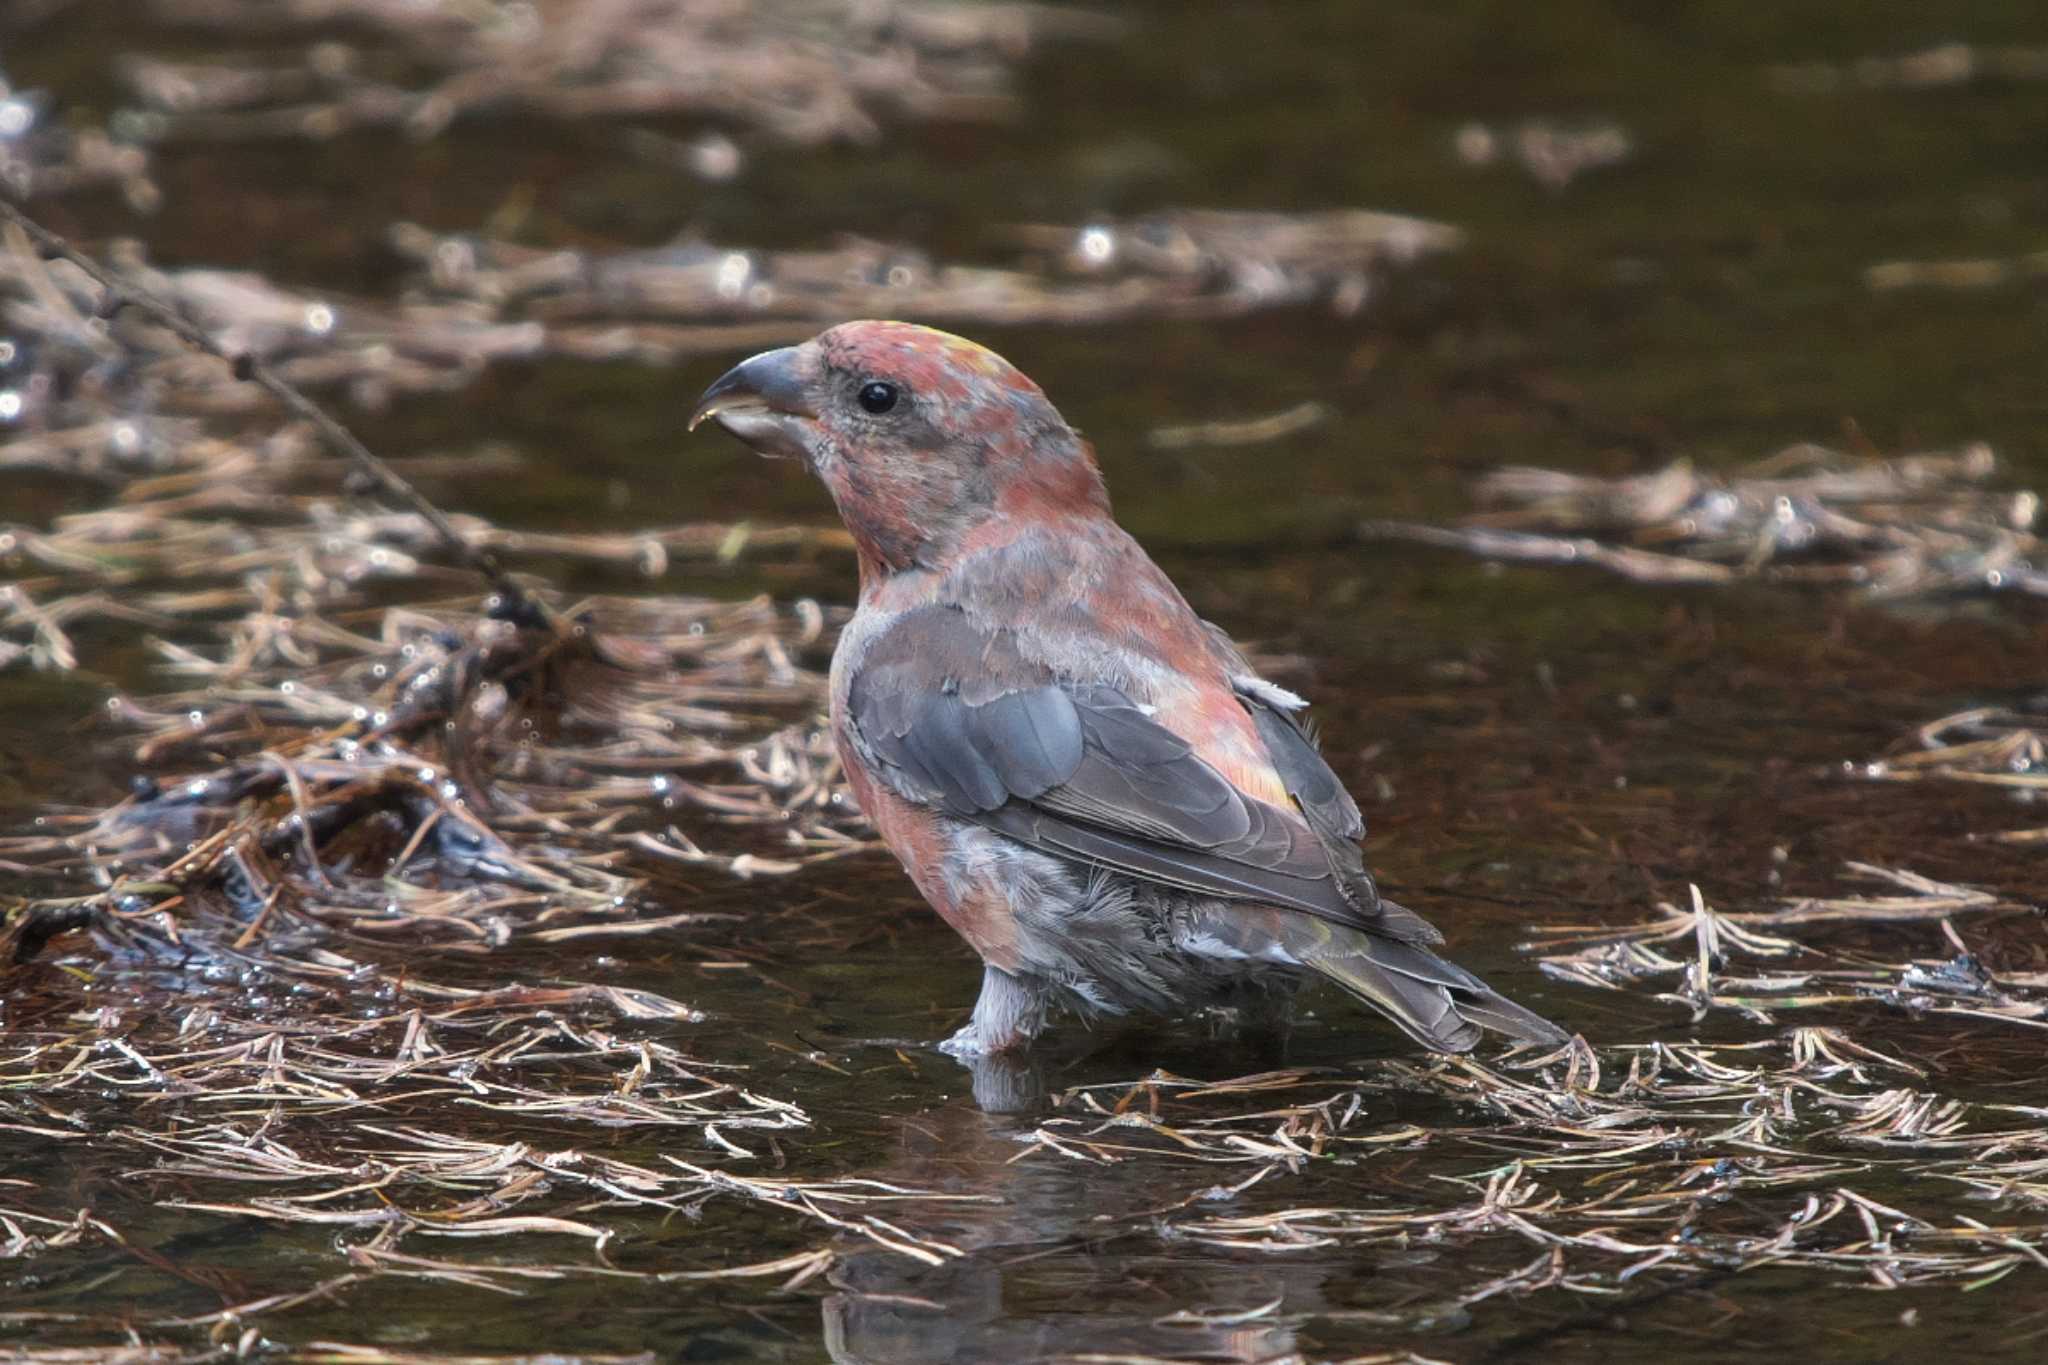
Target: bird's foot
[(992, 1047), (968, 1044), (1007, 1016)]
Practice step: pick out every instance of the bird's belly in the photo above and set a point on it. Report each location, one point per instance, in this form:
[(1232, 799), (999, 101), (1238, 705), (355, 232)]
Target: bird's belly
[(921, 840), (1105, 943)]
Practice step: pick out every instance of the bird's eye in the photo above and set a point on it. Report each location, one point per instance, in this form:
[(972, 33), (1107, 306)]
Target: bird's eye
[(877, 397)]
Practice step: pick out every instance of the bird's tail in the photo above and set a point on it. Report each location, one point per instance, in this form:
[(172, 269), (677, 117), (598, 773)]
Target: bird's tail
[(1437, 1003)]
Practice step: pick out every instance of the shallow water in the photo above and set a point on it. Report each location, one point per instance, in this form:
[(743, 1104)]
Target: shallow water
[(1549, 746)]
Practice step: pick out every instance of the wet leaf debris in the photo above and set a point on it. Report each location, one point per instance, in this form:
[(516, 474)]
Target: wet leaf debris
[(474, 302), (45, 154), (792, 71), (1766, 963), (437, 775), (1923, 525)]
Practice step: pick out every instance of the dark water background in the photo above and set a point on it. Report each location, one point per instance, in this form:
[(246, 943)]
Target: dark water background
[(1554, 745)]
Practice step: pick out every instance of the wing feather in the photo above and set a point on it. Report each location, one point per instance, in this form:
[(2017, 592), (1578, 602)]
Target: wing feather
[(1080, 770)]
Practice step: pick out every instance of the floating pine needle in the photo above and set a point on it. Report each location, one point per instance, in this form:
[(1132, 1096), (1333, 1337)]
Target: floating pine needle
[(1914, 526)]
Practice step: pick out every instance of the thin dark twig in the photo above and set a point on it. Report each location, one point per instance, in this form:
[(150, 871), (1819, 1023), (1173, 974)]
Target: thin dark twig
[(514, 602)]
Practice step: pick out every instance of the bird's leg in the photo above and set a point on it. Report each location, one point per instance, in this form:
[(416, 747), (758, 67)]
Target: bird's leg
[(1008, 1015)]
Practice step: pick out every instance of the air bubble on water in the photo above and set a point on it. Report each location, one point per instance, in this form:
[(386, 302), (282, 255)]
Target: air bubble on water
[(10, 405), (378, 670), (1098, 245), (319, 319), (380, 718), (733, 274), (287, 687), (1476, 145), (198, 718), (659, 783), (125, 438), (17, 116), (359, 713), (715, 157)]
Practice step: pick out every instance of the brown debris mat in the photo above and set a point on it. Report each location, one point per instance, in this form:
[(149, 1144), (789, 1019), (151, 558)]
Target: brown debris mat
[(2001, 748), (478, 302), (1695, 948), (1912, 526), (1608, 1164), (797, 70), (1551, 154), (1982, 272), (323, 717), (1943, 65), (43, 154), (442, 1122)]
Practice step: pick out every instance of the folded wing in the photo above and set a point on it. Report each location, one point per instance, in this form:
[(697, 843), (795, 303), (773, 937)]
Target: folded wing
[(955, 717)]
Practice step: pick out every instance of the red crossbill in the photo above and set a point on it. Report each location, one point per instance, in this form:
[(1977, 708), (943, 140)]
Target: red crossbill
[(1087, 780)]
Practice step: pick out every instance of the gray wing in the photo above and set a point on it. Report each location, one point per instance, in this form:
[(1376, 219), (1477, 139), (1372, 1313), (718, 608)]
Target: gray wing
[(956, 718), (1327, 807)]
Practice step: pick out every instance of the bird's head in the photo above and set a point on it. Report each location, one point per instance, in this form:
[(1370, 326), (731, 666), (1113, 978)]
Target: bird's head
[(920, 435)]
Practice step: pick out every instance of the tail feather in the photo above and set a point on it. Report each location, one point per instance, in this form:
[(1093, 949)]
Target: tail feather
[(1426, 1012), (1496, 1012), (1437, 1003)]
